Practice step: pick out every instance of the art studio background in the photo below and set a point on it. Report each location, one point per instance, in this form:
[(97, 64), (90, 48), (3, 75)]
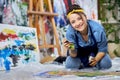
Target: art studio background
[(15, 12)]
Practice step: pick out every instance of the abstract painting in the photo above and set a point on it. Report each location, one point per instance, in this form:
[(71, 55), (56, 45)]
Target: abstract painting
[(18, 46)]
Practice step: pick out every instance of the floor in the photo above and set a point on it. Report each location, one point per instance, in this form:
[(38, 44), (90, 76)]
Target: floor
[(30, 71)]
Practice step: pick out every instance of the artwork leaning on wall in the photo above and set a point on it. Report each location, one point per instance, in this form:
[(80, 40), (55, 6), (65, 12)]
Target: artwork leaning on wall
[(18, 46)]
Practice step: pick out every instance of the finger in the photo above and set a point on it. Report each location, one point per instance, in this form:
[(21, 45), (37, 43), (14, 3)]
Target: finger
[(66, 45), (93, 63), (91, 60)]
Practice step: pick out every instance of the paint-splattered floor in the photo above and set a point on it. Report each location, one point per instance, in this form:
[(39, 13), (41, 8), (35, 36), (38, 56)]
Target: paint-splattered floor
[(28, 72)]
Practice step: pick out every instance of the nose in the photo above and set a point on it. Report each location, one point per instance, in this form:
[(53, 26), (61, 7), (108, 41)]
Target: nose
[(78, 24)]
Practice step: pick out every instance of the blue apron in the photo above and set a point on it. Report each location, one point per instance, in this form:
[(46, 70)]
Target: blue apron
[(84, 52)]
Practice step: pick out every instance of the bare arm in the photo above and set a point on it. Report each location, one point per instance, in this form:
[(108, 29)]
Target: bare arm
[(97, 58)]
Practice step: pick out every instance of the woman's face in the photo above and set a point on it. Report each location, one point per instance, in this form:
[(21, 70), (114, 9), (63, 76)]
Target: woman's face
[(78, 22)]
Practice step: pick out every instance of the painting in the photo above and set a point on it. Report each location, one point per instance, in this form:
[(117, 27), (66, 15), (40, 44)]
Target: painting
[(90, 10), (18, 46), (61, 73)]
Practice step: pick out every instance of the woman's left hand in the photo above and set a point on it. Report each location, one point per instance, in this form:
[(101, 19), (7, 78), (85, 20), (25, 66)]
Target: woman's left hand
[(96, 59), (93, 62)]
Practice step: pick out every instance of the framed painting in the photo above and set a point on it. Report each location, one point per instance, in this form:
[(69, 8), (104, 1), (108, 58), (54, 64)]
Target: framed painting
[(18, 46)]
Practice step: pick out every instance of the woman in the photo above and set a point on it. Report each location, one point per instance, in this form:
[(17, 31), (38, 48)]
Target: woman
[(89, 39)]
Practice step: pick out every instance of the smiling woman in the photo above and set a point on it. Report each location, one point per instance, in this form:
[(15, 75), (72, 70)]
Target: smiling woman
[(89, 39)]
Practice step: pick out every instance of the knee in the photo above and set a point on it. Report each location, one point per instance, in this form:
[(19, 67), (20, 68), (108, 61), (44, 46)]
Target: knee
[(72, 63), (105, 63)]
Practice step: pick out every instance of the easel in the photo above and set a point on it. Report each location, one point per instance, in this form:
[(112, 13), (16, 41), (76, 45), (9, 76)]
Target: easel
[(36, 9)]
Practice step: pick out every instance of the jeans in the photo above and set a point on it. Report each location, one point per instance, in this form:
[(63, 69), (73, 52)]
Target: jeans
[(75, 63)]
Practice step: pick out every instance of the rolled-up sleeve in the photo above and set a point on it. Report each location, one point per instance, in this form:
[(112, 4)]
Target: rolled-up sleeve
[(70, 36), (102, 42)]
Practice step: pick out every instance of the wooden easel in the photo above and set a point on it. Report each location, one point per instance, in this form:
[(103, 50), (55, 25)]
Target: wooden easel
[(36, 9)]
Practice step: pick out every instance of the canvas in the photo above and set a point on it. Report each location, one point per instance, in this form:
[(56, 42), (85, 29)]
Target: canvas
[(18, 46)]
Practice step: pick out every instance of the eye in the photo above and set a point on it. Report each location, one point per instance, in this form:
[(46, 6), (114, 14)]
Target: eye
[(72, 22), (79, 18)]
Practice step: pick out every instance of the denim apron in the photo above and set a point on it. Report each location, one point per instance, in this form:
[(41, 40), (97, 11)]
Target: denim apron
[(84, 52)]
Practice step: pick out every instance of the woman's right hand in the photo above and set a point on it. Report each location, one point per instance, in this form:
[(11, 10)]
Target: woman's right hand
[(68, 44), (72, 51)]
